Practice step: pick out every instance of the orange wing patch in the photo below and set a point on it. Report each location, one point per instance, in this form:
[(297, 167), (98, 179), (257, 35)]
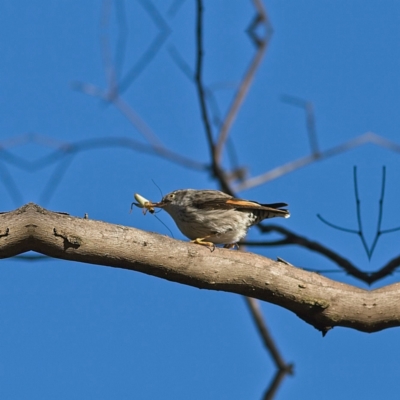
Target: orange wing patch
[(243, 203)]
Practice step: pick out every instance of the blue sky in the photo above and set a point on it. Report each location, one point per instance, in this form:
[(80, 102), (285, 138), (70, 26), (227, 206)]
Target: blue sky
[(70, 330)]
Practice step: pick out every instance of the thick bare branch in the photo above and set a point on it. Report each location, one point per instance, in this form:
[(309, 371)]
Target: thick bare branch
[(322, 302)]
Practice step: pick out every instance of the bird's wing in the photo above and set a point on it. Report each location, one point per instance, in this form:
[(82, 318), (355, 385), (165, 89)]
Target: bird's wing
[(262, 211), (227, 202), (274, 208), (240, 203)]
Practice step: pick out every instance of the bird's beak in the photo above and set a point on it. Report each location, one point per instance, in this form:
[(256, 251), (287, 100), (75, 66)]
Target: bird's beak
[(160, 204)]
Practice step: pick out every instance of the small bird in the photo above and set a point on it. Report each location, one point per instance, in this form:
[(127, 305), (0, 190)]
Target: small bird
[(210, 217)]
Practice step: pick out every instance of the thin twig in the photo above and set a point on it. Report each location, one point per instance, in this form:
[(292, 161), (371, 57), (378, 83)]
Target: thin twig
[(274, 385), (112, 85), (63, 149), (63, 156), (360, 232), (208, 91), (55, 179), (386, 270), (291, 238), (32, 257), (154, 47), (291, 166), (137, 121), (174, 8), (10, 185), (380, 214), (122, 37), (310, 119), (283, 369), (246, 82), (339, 228), (216, 169), (199, 78), (269, 343)]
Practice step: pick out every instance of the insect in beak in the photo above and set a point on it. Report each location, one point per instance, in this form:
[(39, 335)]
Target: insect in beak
[(147, 205)]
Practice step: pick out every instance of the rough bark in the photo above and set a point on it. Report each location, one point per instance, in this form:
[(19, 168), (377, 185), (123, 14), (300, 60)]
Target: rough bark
[(320, 301)]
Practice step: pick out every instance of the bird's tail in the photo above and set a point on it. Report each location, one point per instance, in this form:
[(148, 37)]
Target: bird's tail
[(272, 211)]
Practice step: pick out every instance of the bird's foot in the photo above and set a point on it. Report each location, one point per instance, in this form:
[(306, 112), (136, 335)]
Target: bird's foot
[(231, 246), (203, 242)]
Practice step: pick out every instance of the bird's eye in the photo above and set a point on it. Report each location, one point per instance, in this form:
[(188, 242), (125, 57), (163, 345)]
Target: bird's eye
[(171, 196)]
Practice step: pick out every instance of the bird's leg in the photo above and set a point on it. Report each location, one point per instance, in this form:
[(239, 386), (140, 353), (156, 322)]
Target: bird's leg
[(203, 242), (231, 246)]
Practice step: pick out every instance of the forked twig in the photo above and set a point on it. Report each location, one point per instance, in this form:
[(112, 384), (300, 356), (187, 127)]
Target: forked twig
[(360, 232), (282, 369), (269, 343), (274, 385)]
